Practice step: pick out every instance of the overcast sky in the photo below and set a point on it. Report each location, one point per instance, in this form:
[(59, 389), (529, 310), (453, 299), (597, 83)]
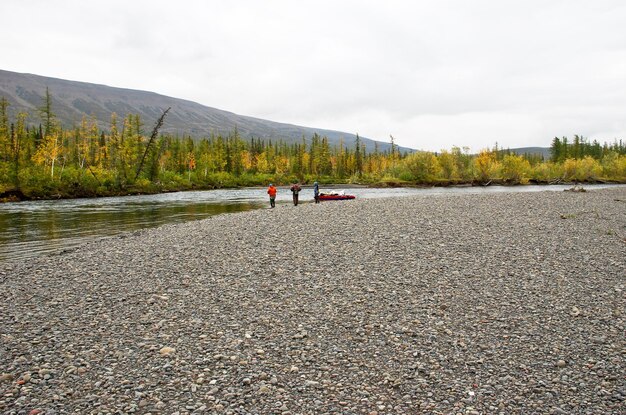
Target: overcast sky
[(434, 74)]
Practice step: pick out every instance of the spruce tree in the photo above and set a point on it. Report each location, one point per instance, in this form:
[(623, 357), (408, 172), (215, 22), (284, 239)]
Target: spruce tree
[(46, 114)]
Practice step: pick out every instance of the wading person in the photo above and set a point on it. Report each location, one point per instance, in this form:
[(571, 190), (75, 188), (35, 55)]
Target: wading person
[(295, 189), (316, 192), (272, 192)]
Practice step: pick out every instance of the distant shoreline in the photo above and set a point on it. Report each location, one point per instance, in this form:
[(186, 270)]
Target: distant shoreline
[(13, 195)]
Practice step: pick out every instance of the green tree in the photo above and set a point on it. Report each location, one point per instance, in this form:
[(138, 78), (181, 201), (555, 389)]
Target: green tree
[(5, 139), (342, 160), (556, 150), (46, 113), (149, 146), (358, 157), (325, 166), (18, 138), (565, 152), (462, 162), (448, 167), (315, 154), (577, 147), (394, 148)]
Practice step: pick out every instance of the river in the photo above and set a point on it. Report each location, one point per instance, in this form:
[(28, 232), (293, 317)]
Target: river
[(33, 228)]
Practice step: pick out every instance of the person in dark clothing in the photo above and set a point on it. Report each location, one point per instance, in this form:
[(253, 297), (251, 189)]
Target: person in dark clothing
[(295, 189), (316, 192)]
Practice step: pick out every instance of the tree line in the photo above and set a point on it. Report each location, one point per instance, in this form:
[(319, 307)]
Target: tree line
[(580, 147), (48, 160)]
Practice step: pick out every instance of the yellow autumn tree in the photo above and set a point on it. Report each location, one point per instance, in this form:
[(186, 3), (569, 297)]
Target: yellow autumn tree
[(614, 165), (485, 165), (281, 164), (423, 166), (262, 164), (515, 168), (547, 172), (448, 166), (191, 164), (48, 151), (248, 161), (581, 170)]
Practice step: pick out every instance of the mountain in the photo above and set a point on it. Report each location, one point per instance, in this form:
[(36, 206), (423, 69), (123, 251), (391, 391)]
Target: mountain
[(539, 151), (71, 100)]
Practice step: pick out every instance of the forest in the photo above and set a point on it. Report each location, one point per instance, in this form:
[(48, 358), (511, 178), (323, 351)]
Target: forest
[(47, 160)]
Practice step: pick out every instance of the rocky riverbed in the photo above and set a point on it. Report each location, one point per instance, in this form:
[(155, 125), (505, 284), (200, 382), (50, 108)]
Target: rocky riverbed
[(472, 304)]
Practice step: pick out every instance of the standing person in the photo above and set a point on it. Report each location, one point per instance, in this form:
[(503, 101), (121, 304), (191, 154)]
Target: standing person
[(295, 189), (316, 192), (272, 192)]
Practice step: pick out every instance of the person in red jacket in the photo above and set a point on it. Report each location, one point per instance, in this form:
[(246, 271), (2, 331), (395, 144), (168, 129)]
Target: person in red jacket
[(272, 192)]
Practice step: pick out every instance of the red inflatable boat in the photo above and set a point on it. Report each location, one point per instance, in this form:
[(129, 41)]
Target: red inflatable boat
[(335, 196)]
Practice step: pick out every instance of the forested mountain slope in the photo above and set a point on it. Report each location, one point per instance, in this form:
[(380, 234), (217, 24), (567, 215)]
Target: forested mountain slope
[(71, 100)]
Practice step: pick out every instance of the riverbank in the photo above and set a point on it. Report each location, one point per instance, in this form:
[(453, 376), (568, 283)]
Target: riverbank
[(9, 195), (499, 303)]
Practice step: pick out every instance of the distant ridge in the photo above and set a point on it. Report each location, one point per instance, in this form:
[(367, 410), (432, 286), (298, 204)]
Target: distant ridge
[(539, 151), (72, 100)]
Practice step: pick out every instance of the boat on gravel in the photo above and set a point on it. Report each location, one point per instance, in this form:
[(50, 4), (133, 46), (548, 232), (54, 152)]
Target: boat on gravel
[(340, 195)]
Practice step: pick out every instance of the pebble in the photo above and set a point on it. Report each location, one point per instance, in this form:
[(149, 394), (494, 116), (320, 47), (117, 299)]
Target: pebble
[(6, 377), (166, 351)]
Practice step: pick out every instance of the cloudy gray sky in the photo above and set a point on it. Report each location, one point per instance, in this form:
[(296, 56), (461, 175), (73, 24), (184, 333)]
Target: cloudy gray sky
[(434, 74)]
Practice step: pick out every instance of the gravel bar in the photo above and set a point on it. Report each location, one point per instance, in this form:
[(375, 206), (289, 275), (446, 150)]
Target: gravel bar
[(508, 303)]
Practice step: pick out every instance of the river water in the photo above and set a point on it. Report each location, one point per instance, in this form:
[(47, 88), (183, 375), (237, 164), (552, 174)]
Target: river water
[(33, 228)]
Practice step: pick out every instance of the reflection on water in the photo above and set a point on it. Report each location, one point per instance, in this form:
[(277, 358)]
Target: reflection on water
[(33, 228)]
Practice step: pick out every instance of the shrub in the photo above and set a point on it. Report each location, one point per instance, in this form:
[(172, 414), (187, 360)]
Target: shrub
[(514, 168), (423, 166), (590, 169), (448, 166), (170, 179), (406, 176), (485, 165), (614, 166), (547, 172), (586, 169)]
